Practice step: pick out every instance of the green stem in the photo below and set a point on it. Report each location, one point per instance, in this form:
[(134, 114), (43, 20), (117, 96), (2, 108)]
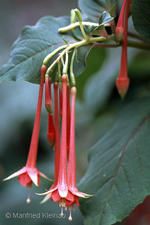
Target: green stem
[(49, 56), (79, 17), (65, 67), (74, 25), (77, 24), (72, 76), (77, 45)]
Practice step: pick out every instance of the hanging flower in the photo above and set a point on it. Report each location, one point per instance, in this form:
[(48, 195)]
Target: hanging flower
[(29, 174)]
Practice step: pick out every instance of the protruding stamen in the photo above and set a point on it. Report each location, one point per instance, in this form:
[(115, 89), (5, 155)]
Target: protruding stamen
[(70, 216), (62, 213), (28, 199)]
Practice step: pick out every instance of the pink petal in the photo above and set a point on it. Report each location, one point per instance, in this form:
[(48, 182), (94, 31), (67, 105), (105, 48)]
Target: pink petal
[(19, 172), (55, 196), (70, 197), (24, 179), (77, 201)]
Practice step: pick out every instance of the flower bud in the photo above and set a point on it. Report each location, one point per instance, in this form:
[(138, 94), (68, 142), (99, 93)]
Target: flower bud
[(122, 84), (48, 101)]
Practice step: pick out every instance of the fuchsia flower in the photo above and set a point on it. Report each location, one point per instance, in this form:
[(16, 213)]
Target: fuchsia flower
[(64, 189), (29, 173), (123, 81)]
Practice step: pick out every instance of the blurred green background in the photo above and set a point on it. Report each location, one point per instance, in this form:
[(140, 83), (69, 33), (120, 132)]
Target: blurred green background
[(97, 106)]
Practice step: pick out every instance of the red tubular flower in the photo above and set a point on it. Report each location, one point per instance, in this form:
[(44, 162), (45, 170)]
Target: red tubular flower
[(123, 81), (57, 144), (59, 192), (29, 174), (73, 193), (68, 116)]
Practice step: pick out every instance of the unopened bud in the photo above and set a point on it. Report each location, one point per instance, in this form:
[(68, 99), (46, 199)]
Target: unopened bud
[(122, 84), (78, 14)]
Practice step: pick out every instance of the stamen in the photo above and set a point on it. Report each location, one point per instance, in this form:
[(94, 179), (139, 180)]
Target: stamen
[(70, 217), (62, 213), (28, 199)]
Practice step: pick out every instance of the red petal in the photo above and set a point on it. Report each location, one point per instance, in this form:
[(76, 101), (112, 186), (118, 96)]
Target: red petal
[(24, 179), (38, 179), (77, 200), (70, 197), (55, 196)]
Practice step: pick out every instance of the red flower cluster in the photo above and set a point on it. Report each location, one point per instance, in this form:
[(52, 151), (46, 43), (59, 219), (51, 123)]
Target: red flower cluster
[(64, 189)]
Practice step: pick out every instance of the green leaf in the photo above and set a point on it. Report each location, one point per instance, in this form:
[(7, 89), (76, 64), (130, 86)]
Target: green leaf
[(94, 8), (33, 44), (118, 175), (112, 11), (141, 18), (105, 18), (99, 30)]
